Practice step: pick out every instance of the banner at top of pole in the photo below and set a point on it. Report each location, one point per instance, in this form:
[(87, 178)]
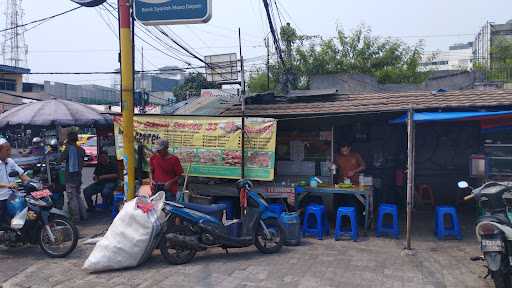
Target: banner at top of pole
[(172, 12), (89, 3)]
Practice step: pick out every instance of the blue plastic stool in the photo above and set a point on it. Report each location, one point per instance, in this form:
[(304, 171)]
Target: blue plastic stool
[(322, 225), (353, 232), (117, 200), (394, 230), (441, 230), (229, 208), (277, 208)]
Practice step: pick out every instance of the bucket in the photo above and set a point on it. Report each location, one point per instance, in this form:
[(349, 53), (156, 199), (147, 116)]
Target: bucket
[(291, 224)]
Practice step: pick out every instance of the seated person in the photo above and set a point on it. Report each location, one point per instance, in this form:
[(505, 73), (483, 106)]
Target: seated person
[(106, 176)]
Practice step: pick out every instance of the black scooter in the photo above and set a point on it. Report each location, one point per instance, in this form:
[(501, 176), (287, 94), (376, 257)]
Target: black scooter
[(190, 228)]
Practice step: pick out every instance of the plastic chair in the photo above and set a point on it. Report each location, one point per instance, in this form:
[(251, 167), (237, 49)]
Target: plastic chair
[(229, 208), (321, 226), (441, 230), (425, 195), (339, 231), (394, 230), (277, 208)]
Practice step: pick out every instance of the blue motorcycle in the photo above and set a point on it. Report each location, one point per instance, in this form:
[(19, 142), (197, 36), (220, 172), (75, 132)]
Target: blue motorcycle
[(190, 228)]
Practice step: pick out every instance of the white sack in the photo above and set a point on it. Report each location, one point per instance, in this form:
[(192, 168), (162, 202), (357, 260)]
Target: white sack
[(131, 238)]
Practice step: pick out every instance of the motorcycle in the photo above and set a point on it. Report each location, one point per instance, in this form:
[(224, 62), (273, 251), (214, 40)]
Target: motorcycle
[(494, 229), (190, 228), (36, 221)]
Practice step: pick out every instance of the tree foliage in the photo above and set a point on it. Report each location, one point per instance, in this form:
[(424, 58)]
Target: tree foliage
[(258, 83), (192, 86), (389, 60)]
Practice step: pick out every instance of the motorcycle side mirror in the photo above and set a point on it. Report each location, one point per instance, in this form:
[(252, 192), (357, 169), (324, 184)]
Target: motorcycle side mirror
[(13, 174), (463, 184)]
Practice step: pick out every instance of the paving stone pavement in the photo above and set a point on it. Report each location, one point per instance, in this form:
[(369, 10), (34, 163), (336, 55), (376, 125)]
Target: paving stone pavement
[(371, 262)]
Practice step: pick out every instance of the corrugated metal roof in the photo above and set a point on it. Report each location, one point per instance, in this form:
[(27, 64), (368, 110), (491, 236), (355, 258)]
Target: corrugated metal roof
[(383, 102)]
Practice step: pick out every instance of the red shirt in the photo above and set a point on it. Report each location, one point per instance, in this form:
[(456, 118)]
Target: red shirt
[(166, 169)]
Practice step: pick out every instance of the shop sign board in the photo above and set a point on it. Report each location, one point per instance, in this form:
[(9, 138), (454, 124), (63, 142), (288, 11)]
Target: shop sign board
[(172, 12), (208, 146), (89, 3)]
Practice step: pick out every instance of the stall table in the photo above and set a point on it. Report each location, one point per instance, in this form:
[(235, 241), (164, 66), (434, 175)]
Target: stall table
[(363, 194)]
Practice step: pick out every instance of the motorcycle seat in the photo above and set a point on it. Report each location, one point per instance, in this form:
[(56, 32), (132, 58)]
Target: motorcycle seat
[(213, 209)]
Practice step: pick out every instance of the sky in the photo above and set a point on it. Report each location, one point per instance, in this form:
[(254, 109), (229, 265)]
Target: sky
[(81, 41)]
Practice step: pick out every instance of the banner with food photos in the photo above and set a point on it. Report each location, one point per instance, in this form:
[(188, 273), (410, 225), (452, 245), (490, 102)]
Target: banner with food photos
[(208, 146)]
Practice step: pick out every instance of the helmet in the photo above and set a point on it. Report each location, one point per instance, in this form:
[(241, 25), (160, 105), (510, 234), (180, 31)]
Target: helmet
[(54, 143), (37, 141)]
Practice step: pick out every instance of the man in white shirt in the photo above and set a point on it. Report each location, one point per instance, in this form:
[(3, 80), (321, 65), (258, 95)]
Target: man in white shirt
[(7, 165)]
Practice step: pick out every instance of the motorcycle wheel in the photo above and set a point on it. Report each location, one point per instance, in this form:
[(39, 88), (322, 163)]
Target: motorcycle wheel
[(66, 238), (176, 255), (501, 279), (275, 243)]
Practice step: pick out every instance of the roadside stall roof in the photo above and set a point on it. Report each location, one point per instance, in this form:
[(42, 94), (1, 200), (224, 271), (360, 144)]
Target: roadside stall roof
[(451, 116), (380, 102)]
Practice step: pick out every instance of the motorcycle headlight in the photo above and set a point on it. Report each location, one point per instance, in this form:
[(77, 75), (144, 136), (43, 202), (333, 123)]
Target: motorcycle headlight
[(487, 229)]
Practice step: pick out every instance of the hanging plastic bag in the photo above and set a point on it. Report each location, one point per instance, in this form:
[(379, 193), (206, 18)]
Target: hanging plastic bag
[(19, 220)]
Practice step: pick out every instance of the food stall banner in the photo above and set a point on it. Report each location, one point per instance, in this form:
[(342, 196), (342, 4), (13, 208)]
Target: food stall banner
[(209, 146)]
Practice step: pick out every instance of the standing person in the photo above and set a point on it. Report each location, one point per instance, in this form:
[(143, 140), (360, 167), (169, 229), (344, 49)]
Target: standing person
[(7, 165), (106, 176), (73, 156), (165, 171), (349, 163)]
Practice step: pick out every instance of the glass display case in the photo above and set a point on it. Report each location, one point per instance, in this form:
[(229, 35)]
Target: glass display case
[(498, 161)]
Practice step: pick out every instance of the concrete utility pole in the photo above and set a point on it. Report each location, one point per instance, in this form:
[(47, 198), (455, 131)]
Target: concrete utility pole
[(126, 47)]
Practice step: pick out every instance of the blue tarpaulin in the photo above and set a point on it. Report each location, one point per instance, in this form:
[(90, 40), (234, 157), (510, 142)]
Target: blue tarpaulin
[(449, 116)]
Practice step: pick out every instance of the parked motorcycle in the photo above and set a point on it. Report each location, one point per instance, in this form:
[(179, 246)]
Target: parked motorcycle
[(36, 221), (190, 228), (494, 229)]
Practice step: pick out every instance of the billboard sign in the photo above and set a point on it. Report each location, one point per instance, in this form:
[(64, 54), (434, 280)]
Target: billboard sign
[(89, 3), (222, 67), (172, 12)]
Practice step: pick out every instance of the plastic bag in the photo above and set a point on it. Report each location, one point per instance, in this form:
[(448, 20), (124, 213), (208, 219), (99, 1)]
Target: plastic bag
[(131, 238), (19, 220)]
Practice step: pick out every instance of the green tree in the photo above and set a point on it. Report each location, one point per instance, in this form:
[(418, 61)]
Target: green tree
[(258, 83), (192, 86), (389, 60)]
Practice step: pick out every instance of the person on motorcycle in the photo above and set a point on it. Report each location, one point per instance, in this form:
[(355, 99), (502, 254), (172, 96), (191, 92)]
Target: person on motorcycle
[(165, 171), (7, 184), (37, 148)]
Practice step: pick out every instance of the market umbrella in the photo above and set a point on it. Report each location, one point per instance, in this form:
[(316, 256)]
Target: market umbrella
[(54, 112)]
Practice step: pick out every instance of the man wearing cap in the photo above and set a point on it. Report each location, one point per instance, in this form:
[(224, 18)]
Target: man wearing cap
[(165, 171), (7, 165)]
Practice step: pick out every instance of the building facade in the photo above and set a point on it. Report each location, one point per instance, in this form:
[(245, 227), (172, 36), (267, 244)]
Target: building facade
[(87, 94), (458, 57)]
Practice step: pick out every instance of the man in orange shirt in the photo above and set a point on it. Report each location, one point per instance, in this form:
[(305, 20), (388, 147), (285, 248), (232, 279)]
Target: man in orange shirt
[(349, 163)]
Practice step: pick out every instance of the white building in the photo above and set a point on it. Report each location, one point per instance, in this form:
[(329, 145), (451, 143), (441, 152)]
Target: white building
[(458, 57)]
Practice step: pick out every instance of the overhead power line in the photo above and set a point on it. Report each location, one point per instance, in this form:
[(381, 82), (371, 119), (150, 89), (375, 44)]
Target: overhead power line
[(41, 20)]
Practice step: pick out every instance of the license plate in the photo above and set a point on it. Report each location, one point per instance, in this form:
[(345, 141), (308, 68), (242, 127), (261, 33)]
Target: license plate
[(492, 246)]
